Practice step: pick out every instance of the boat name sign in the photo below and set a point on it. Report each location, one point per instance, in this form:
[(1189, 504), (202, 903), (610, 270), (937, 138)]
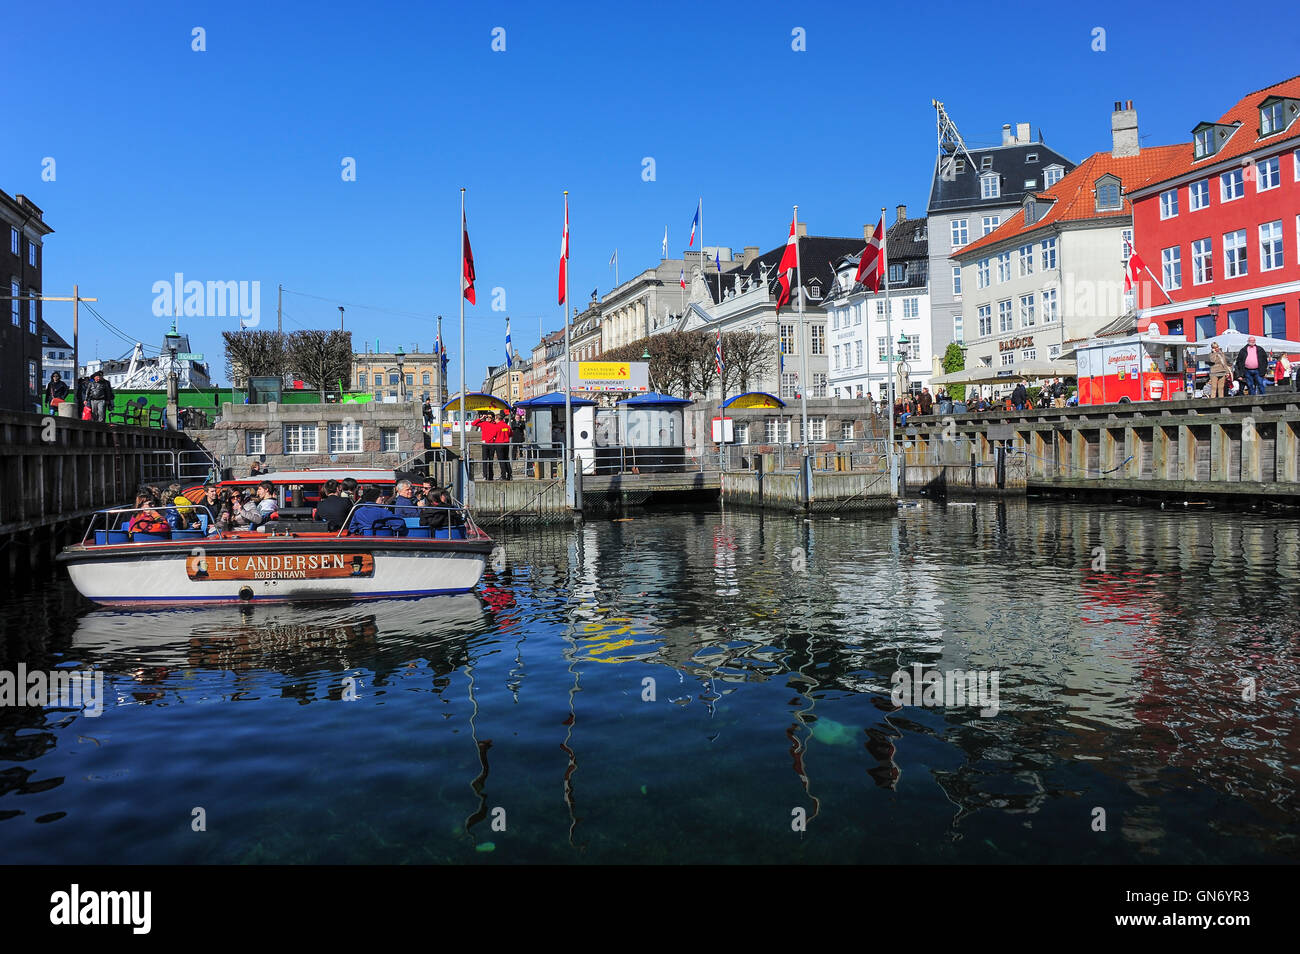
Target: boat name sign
[(280, 566)]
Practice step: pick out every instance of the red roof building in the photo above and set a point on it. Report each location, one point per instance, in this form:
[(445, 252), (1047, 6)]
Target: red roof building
[(1219, 224)]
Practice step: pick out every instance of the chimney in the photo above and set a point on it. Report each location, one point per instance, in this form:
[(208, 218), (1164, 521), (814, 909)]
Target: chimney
[(902, 213), (867, 230), (751, 253), (1022, 132), (803, 229), (1124, 130), (1006, 134)]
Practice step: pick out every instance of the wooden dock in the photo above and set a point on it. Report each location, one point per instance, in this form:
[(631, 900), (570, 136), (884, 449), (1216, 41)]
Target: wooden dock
[(1242, 447)]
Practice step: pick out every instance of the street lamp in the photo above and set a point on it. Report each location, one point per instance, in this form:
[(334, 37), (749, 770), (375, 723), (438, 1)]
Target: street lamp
[(401, 374), (172, 340), (1214, 313)]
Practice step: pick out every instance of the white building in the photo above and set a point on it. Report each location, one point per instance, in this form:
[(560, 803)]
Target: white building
[(862, 341)]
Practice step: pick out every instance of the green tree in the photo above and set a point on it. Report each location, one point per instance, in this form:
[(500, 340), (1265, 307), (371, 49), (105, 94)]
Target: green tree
[(954, 360)]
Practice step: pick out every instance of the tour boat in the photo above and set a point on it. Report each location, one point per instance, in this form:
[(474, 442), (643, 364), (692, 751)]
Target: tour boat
[(187, 567)]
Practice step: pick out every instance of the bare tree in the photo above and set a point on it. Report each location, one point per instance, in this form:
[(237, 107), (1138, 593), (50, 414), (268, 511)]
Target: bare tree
[(750, 354), (323, 358), (252, 354)]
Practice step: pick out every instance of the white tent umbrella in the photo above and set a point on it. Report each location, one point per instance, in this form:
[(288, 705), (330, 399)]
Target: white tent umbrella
[(1234, 341), (1025, 371)]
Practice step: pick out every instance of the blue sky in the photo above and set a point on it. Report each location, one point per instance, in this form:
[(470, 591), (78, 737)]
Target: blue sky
[(225, 164)]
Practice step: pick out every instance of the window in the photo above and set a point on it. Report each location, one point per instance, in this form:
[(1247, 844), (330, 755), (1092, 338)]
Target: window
[(255, 442), (960, 236), (959, 166), (1052, 175), (1053, 351), (835, 358), (1169, 204), (957, 328), (818, 345), (16, 304), (31, 311), (1004, 267), (1031, 157), (846, 430), (1004, 315), (1031, 212), (1270, 246), (859, 313), (835, 320), (1270, 119), (300, 438), (982, 274), (912, 349), (410, 380), (1198, 195), (388, 440), (13, 241), (986, 320), (1029, 354), (1205, 327), (1125, 244), (361, 379), (1275, 320), (1026, 260), (31, 254), (986, 162), (1026, 311), (880, 309), (1108, 194), (1203, 262), (1171, 267), (32, 375), (776, 430), (1031, 183), (345, 438), (425, 379), (392, 378), (956, 281), (1008, 358), (897, 273), (1234, 254), (788, 384), (1049, 254), (1204, 140), (991, 222), (1232, 185), (816, 428), (990, 186), (1296, 163), (857, 352), (740, 433), (882, 348), (1239, 321), (788, 339), (911, 306), (1268, 174)]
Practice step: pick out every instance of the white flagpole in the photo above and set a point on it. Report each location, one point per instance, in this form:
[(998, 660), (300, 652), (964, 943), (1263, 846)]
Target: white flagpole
[(803, 349), (889, 341), (464, 468), (703, 273), (569, 490)]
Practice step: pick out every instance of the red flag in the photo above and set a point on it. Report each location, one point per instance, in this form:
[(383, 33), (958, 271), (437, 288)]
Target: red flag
[(869, 264), (788, 262), (564, 251), (467, 264), (1135, 268)]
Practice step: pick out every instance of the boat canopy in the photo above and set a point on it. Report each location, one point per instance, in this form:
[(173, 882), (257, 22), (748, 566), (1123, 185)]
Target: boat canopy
[(555, 399), (654, 399), (476, 401), (753, 399)]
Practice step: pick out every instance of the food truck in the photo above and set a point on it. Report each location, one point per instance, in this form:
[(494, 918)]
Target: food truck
[(1139, 367)]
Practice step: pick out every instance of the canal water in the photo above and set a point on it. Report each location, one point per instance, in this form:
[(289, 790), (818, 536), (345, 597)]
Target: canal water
[(700, 687)]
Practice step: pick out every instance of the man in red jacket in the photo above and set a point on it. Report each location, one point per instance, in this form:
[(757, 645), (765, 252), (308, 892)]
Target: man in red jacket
[(487, 429), (501, 443)]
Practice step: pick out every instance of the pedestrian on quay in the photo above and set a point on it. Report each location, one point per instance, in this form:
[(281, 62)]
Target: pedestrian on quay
[(486, 423), (1281, 371), (56, 392), (99, 393), (925, 403), (1019, 397), (517, 434), (1220, 372), (1252, 361)]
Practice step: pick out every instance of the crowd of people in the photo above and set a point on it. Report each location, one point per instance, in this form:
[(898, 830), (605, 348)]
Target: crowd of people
[(94, 395), (499, 431)]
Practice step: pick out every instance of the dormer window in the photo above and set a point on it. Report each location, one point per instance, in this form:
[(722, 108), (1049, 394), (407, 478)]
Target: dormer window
[(990, 186), (1276, 114), (1031, 157), (1108, 194), (1208, 138), (959, 166), (814, 289), (1031, 211), (1204, 141), (986, 162), (897, 273), (1052, 175)]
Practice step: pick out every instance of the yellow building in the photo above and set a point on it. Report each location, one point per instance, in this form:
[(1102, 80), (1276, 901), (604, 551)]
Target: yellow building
[(381, 374)]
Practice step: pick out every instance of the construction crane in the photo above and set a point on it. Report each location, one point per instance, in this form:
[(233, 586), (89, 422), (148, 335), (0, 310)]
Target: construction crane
[(950, 143)]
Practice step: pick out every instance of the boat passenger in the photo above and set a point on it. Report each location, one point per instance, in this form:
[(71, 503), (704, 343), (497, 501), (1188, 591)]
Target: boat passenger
[(368, 514), (351, 490), (333, 508), (147, 520), (404, 506), (184, 507), (267, 504)]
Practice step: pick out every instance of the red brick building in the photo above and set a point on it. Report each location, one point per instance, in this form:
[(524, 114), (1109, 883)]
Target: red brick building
[(1219, 225)]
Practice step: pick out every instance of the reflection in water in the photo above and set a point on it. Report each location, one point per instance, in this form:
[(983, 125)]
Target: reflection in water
[(1148, 665)]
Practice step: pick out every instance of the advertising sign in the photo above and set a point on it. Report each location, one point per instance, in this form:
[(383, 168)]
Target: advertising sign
[(629, 376)]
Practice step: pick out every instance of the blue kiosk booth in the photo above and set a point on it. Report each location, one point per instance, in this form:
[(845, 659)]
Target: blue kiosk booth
[(653, 434)]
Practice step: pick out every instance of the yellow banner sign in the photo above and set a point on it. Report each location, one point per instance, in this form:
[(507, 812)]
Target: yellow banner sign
[(604, 370), (280, 566)]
